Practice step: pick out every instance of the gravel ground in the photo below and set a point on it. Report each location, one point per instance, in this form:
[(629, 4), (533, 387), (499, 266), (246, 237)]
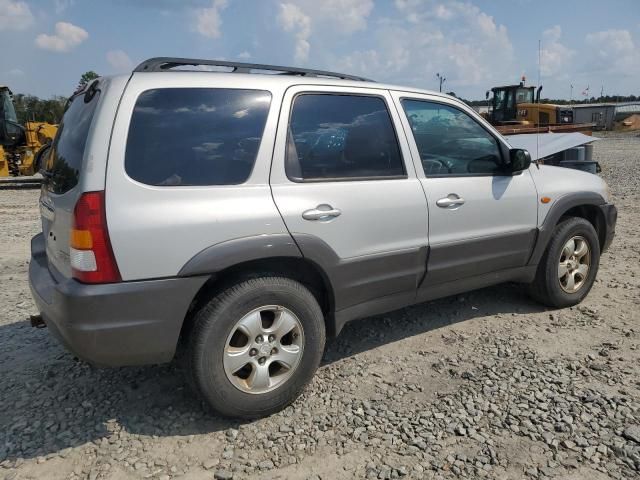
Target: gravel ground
[(482, 385)]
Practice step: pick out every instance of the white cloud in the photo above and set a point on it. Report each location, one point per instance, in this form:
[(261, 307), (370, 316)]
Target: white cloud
[(15, 15), (245, 55), (338, 17), (16, 72), (61, 5), (616, 53), (208, 20), (605, 43), (67, 37), (292, 18), (443, 13), (241, 113), (348, 15), (454, 38), (555, 56), (119, 61)]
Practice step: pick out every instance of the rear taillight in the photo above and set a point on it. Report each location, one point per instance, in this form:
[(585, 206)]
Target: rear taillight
[(92, 259)]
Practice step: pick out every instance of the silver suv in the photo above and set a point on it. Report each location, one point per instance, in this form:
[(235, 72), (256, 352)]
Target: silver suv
[(250, 213)]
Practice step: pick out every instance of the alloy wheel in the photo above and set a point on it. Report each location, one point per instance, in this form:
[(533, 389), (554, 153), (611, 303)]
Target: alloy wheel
[(263, 349), (574, 264)]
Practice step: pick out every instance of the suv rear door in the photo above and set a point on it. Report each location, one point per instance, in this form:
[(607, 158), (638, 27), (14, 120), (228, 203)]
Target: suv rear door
[(343, 180), (481, 220), (64, 167)]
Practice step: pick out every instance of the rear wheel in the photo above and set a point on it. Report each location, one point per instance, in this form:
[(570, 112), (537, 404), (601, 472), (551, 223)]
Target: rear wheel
[(256, 345), (568, 268)]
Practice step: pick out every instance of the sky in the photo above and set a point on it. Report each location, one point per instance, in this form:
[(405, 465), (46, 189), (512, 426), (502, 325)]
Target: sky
[(45, 45)]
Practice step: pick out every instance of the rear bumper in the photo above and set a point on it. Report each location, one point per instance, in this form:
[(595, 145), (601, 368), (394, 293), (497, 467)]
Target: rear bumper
[(610, 213), (128, 323)]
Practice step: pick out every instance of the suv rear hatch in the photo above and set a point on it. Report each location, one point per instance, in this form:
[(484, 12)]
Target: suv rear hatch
[(61, 187)]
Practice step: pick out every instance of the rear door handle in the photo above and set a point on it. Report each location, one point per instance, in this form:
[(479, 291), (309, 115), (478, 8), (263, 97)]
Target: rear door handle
[(321, 212), (451, 200)]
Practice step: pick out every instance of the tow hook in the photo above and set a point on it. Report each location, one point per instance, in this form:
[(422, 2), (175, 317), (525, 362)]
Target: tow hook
[(37, 321)]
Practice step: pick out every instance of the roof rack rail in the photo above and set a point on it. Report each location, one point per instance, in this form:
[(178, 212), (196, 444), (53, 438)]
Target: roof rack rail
[(161, 64)]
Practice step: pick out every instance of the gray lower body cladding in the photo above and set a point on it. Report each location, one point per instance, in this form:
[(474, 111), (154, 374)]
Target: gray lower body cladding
[(610, 214), (360, 279), (227, 254), (128, 323), (429, 273), (374, 284), (478, 256), (564, 204)]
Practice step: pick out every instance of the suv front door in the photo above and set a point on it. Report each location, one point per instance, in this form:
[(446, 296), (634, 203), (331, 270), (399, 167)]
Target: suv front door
[(481, 219), (344, 183)]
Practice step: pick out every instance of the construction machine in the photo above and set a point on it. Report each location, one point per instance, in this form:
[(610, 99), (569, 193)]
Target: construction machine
[(546, 129), (517, 109), (22, 147)]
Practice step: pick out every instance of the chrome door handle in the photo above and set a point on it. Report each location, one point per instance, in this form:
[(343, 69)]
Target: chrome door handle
[(321, 212), (452, 200)]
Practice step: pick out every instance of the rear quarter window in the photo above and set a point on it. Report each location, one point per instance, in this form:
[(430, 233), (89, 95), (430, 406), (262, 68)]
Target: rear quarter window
[(195, 136)]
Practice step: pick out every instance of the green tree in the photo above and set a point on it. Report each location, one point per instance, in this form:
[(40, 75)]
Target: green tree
[(31, 108), (86, 78)]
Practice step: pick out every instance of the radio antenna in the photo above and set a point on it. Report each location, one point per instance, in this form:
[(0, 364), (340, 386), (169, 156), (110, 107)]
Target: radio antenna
[(538, 102)]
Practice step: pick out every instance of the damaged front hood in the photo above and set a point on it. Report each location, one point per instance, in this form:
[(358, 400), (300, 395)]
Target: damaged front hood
[(541, 145)]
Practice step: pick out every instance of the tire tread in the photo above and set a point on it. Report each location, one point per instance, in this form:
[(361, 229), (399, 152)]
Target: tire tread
[(208, 315), (547, 292)]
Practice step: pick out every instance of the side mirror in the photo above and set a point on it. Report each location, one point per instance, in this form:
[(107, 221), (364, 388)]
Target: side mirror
[(486, 95), (520, 160)]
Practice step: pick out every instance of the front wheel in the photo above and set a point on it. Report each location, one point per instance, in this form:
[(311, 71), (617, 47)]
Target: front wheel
[(569, 266), (256, 345)]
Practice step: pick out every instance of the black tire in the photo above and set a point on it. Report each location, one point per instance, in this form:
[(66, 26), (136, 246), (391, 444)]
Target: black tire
[(214, 323), (546, 287)]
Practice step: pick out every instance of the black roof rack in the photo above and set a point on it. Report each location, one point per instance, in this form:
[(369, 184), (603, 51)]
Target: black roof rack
[(161, 64)]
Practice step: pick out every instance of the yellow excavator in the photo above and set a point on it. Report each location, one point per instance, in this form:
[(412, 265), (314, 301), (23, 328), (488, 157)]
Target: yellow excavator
[(22, 147)]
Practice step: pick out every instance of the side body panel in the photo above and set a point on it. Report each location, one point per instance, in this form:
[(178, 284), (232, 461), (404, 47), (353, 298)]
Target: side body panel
[(155, 231), (558, 182)]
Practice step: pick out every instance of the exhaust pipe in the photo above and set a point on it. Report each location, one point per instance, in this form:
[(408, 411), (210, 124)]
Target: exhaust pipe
[(37, 321)]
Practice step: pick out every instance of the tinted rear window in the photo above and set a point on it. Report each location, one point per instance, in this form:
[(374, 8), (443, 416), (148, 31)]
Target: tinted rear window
[(341, 137), (65, 163), (195, 136)]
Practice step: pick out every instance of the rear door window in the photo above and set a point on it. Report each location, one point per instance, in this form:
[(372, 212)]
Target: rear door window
[(341, 137), (65, 162), (195, 136)]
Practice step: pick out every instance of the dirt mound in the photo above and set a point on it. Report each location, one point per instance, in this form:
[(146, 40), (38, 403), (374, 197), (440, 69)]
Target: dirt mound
[(632, 122)]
